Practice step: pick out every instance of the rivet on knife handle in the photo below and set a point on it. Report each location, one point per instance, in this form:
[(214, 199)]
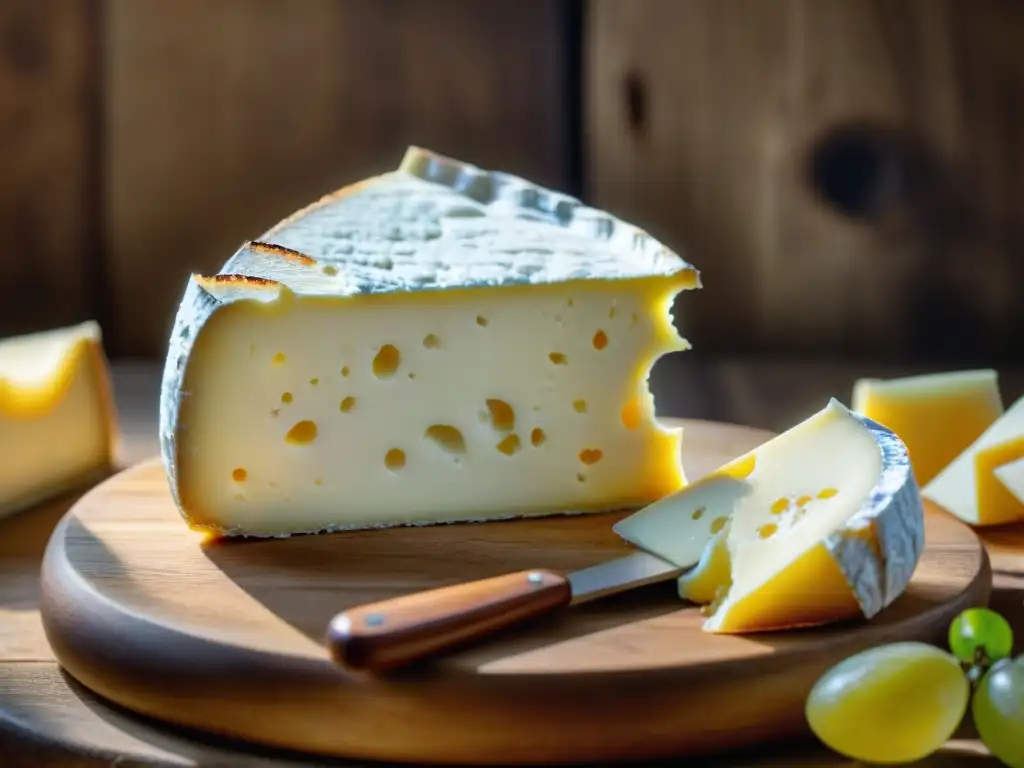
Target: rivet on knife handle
[(383, 636)]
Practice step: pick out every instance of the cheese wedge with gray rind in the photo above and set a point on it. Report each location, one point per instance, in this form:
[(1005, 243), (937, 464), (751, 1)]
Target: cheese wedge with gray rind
[(437, 344), (58, 423), (821, 524), (968, 486)]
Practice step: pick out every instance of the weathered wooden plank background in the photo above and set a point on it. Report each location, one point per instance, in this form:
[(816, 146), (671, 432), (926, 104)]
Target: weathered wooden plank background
[(847, 174)]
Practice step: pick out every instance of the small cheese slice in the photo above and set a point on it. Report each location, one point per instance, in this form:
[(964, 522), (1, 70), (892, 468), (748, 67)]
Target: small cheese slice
[(969, 487), (437, 344), (936, 415), (1012, 477), (58, 425), (821, 524)]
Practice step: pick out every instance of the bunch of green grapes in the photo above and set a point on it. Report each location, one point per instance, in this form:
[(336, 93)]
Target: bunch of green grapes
[(899, 703)]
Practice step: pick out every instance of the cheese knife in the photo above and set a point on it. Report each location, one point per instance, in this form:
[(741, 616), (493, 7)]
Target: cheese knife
[(384, 636)]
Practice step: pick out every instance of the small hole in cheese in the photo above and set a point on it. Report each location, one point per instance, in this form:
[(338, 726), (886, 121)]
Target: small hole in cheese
[(239, 475), (779, 506), (827, 493), (314, 381), (591, 455), (537, 437), (698, 513), (509, 445), (278, 359), (569, 302), (631, 414), (611, 313), (481, 320), (385, 363), (344, 370), (330, 270), (580, 406), (446, 437), (394, 459), (412, 374), (502, 415), (580, 477), (347, 404), (767, 530), (600, 340), (286, 397), (718, 524), (431, 341), (558, 358), (303, 433)]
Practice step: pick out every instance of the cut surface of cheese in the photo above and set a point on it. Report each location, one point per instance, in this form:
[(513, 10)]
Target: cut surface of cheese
[(820, 524), (437, 344), (936, 415), (1012, 477), (969, 487), (58, 425)]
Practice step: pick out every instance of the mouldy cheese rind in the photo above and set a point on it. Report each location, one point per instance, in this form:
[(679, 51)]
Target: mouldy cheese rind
[(401, 264), (58, 421)]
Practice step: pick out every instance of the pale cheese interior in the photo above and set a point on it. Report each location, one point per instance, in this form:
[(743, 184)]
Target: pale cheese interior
[(322, 413), (56, 420), (936, 415), (771, 511), (1012, 477), (968, 487)]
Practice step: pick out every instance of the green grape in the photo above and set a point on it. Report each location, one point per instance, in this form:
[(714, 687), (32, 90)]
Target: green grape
[(980, 629), (890, 704), (998, 711)]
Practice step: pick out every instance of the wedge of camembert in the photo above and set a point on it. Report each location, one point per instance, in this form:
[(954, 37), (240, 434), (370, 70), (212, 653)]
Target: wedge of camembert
[(823, 523), (58, 423), (436, 344)]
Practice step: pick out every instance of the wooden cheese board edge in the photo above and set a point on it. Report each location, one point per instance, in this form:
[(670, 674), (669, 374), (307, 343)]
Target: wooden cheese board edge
[(266, 685)]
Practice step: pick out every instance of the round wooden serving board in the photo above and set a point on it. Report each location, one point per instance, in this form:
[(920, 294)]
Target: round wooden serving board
[(226, 637)]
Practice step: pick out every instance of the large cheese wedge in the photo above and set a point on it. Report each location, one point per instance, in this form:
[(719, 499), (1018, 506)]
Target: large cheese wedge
[(58, 426), (936, 415), (820, 524), (437, 344), (969, 488)]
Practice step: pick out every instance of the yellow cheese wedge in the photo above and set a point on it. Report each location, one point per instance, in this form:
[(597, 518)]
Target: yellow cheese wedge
[(969, 487), (1012, 478), (58, 426), (936, 415), (820, 524), (437, 344)]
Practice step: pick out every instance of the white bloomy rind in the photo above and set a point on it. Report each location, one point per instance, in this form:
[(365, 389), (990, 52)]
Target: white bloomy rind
[(894, 509), (433, 225)]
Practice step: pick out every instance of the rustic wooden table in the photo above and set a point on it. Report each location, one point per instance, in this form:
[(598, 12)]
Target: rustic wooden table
[(48, 720)]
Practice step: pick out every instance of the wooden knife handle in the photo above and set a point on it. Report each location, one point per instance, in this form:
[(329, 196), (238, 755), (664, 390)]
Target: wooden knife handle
[(383, 636)]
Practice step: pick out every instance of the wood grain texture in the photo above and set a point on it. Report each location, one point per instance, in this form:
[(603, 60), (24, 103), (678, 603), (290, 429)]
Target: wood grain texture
[(846, 175), (226, 117), (240, 624), (46, 719), (48, 140)]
